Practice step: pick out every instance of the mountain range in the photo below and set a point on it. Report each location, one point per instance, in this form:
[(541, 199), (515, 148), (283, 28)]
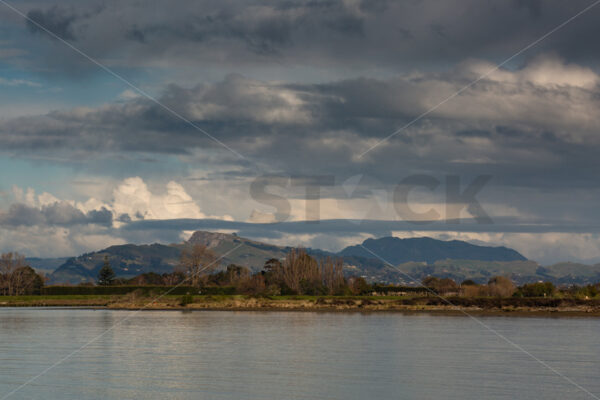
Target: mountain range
[(387, 260)]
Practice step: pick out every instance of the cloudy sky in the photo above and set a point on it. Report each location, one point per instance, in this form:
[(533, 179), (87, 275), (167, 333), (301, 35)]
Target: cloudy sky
[(141, 121)]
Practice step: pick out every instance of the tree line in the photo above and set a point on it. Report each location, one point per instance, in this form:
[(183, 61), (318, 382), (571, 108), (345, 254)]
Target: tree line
[(297, 274), (301, 274), (501, 286)]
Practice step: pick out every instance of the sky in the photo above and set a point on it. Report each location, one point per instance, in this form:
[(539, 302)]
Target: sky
[(302, 123)]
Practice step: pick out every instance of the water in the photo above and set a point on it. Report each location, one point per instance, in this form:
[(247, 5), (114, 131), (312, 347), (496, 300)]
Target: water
[(273, 355)]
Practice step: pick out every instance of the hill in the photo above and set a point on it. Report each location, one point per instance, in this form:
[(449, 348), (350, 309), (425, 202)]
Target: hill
[(45, 265), (397, 251), (130, 260), (249, 253), (126, 260), (414, 259)]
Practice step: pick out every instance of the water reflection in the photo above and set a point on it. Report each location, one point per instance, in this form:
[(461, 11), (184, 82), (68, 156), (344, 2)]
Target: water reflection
[(273, 355)]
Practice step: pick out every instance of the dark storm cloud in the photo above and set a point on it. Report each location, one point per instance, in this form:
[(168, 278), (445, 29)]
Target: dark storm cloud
[(263, 29), (533, 6), (55, 19), (57, 214), (171, 229), (233, 108), (200, 32), (513, 124), (532, 124), (382, 34)]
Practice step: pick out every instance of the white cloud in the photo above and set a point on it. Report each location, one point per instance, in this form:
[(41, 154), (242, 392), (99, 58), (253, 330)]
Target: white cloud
[(46, 199), (129, 94), (547, 70), (133, 197), (237, 97), (37, 241)]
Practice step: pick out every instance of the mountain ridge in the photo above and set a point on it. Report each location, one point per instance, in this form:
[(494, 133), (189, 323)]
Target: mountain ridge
[(130, 260), (397, 251)]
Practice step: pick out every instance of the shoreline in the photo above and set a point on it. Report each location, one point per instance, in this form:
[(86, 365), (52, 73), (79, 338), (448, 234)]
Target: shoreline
[(431, 306)]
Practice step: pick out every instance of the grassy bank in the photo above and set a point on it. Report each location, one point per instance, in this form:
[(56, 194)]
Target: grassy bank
[(311, 303)]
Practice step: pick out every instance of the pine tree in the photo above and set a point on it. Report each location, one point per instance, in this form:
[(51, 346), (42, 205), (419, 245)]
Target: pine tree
[(106, 276)]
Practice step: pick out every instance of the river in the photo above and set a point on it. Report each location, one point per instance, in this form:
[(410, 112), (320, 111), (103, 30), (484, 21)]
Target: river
[(104, 354)]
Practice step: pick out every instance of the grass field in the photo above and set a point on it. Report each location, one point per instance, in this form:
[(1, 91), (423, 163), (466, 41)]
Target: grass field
[(133, 301)]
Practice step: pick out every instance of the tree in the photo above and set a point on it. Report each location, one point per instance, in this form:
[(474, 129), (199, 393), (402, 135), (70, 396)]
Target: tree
[(447, 285), (106, 276), (501, 286), (332, 274), (196, 261), (430, 282), (254, 284), (359, 286), (9, 262), (16, 277), (273, 273), (440, 286), (236, 273), (588, 291), (273, 266), (26, 281), (539, 289), (473, 290), (300, 272), (173, 278)]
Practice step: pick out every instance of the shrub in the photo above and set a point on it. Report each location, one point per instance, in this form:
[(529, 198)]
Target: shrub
[(586, 292), (252, 285), (286, 290), (186, 299), (312, 288), (590, 291), (359, 286), (474, 290), (540, 289)]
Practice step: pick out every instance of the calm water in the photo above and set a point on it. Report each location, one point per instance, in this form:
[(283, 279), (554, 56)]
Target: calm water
[(253, 355)]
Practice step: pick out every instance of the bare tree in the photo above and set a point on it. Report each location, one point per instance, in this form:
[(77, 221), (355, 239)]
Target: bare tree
[(16, 277), (174, 278), (501, 286), (26, 281), (303, 274), (440, 286), (196, 261), (332, 273), (299, 267), (236, 273)]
